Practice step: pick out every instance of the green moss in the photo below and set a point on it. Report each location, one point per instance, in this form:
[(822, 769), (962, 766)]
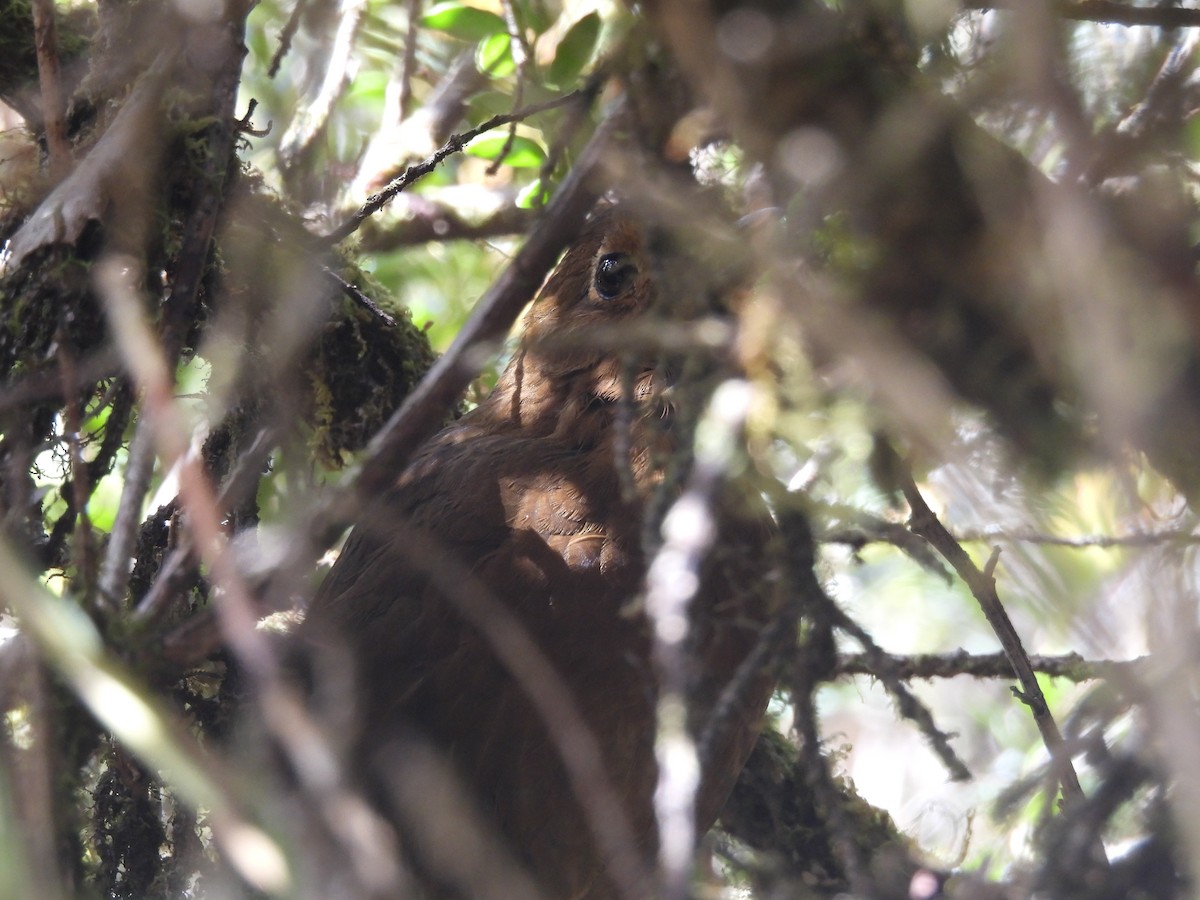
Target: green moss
[(773, 809), (18, 55), (47, 300), (360, 371), (18, 58), (358, 368)]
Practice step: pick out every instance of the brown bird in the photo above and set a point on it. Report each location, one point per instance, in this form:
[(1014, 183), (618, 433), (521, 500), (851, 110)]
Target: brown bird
[(526, 493)]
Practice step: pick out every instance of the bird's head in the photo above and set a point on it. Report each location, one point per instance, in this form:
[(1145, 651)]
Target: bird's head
[(584, 338)]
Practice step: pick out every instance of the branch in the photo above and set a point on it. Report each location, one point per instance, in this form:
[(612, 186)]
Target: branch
[(178, 310), (983, 587), (1108, 12), (360, 298), (673, 580), (313, 119), (425, 221), (455, 144), (180, 567), (1070, 666), (839, 825), (285, 37), (906, 702), (859, 537)]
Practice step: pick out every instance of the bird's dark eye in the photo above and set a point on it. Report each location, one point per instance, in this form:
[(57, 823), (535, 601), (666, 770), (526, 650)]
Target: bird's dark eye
[(614, 273)]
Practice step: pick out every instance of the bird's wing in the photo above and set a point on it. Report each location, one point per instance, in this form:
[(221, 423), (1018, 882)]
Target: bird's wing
[(445, 504), (466, 500)]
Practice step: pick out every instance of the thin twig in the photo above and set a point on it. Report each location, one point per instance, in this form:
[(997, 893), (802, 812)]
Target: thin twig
[(360, 298), (180, 565), (816, 604), (572, 121), (574, 739), (906, 701), (762, 659), (21, 391), (285, 37), (983, 587), (279, 704), (842, 834), (413, 173), (81, 485), (859, 537), (425, 220), (177, 314), (1070, 666), (519, 48), (114, 571)]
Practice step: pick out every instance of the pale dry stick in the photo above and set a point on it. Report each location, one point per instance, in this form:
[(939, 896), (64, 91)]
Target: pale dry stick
[(347, 817), (139, 468), (24, 874), (69, 642), (45, 38), (34, 769), (310, 122), (672, 581)]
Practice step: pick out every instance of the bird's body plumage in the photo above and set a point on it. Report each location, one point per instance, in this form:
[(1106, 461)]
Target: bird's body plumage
[(526, 494)]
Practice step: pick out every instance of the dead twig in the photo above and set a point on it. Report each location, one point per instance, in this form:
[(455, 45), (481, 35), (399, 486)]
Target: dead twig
[(983, 586), (415, 172), (360, 298), (1070, 666)]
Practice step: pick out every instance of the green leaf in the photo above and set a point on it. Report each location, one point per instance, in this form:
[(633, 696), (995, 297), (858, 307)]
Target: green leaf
[(461, 21), (525, 153), (575, 50), (486, 104), (103, 503), (494, 55), (538, 17), (533, 195)]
